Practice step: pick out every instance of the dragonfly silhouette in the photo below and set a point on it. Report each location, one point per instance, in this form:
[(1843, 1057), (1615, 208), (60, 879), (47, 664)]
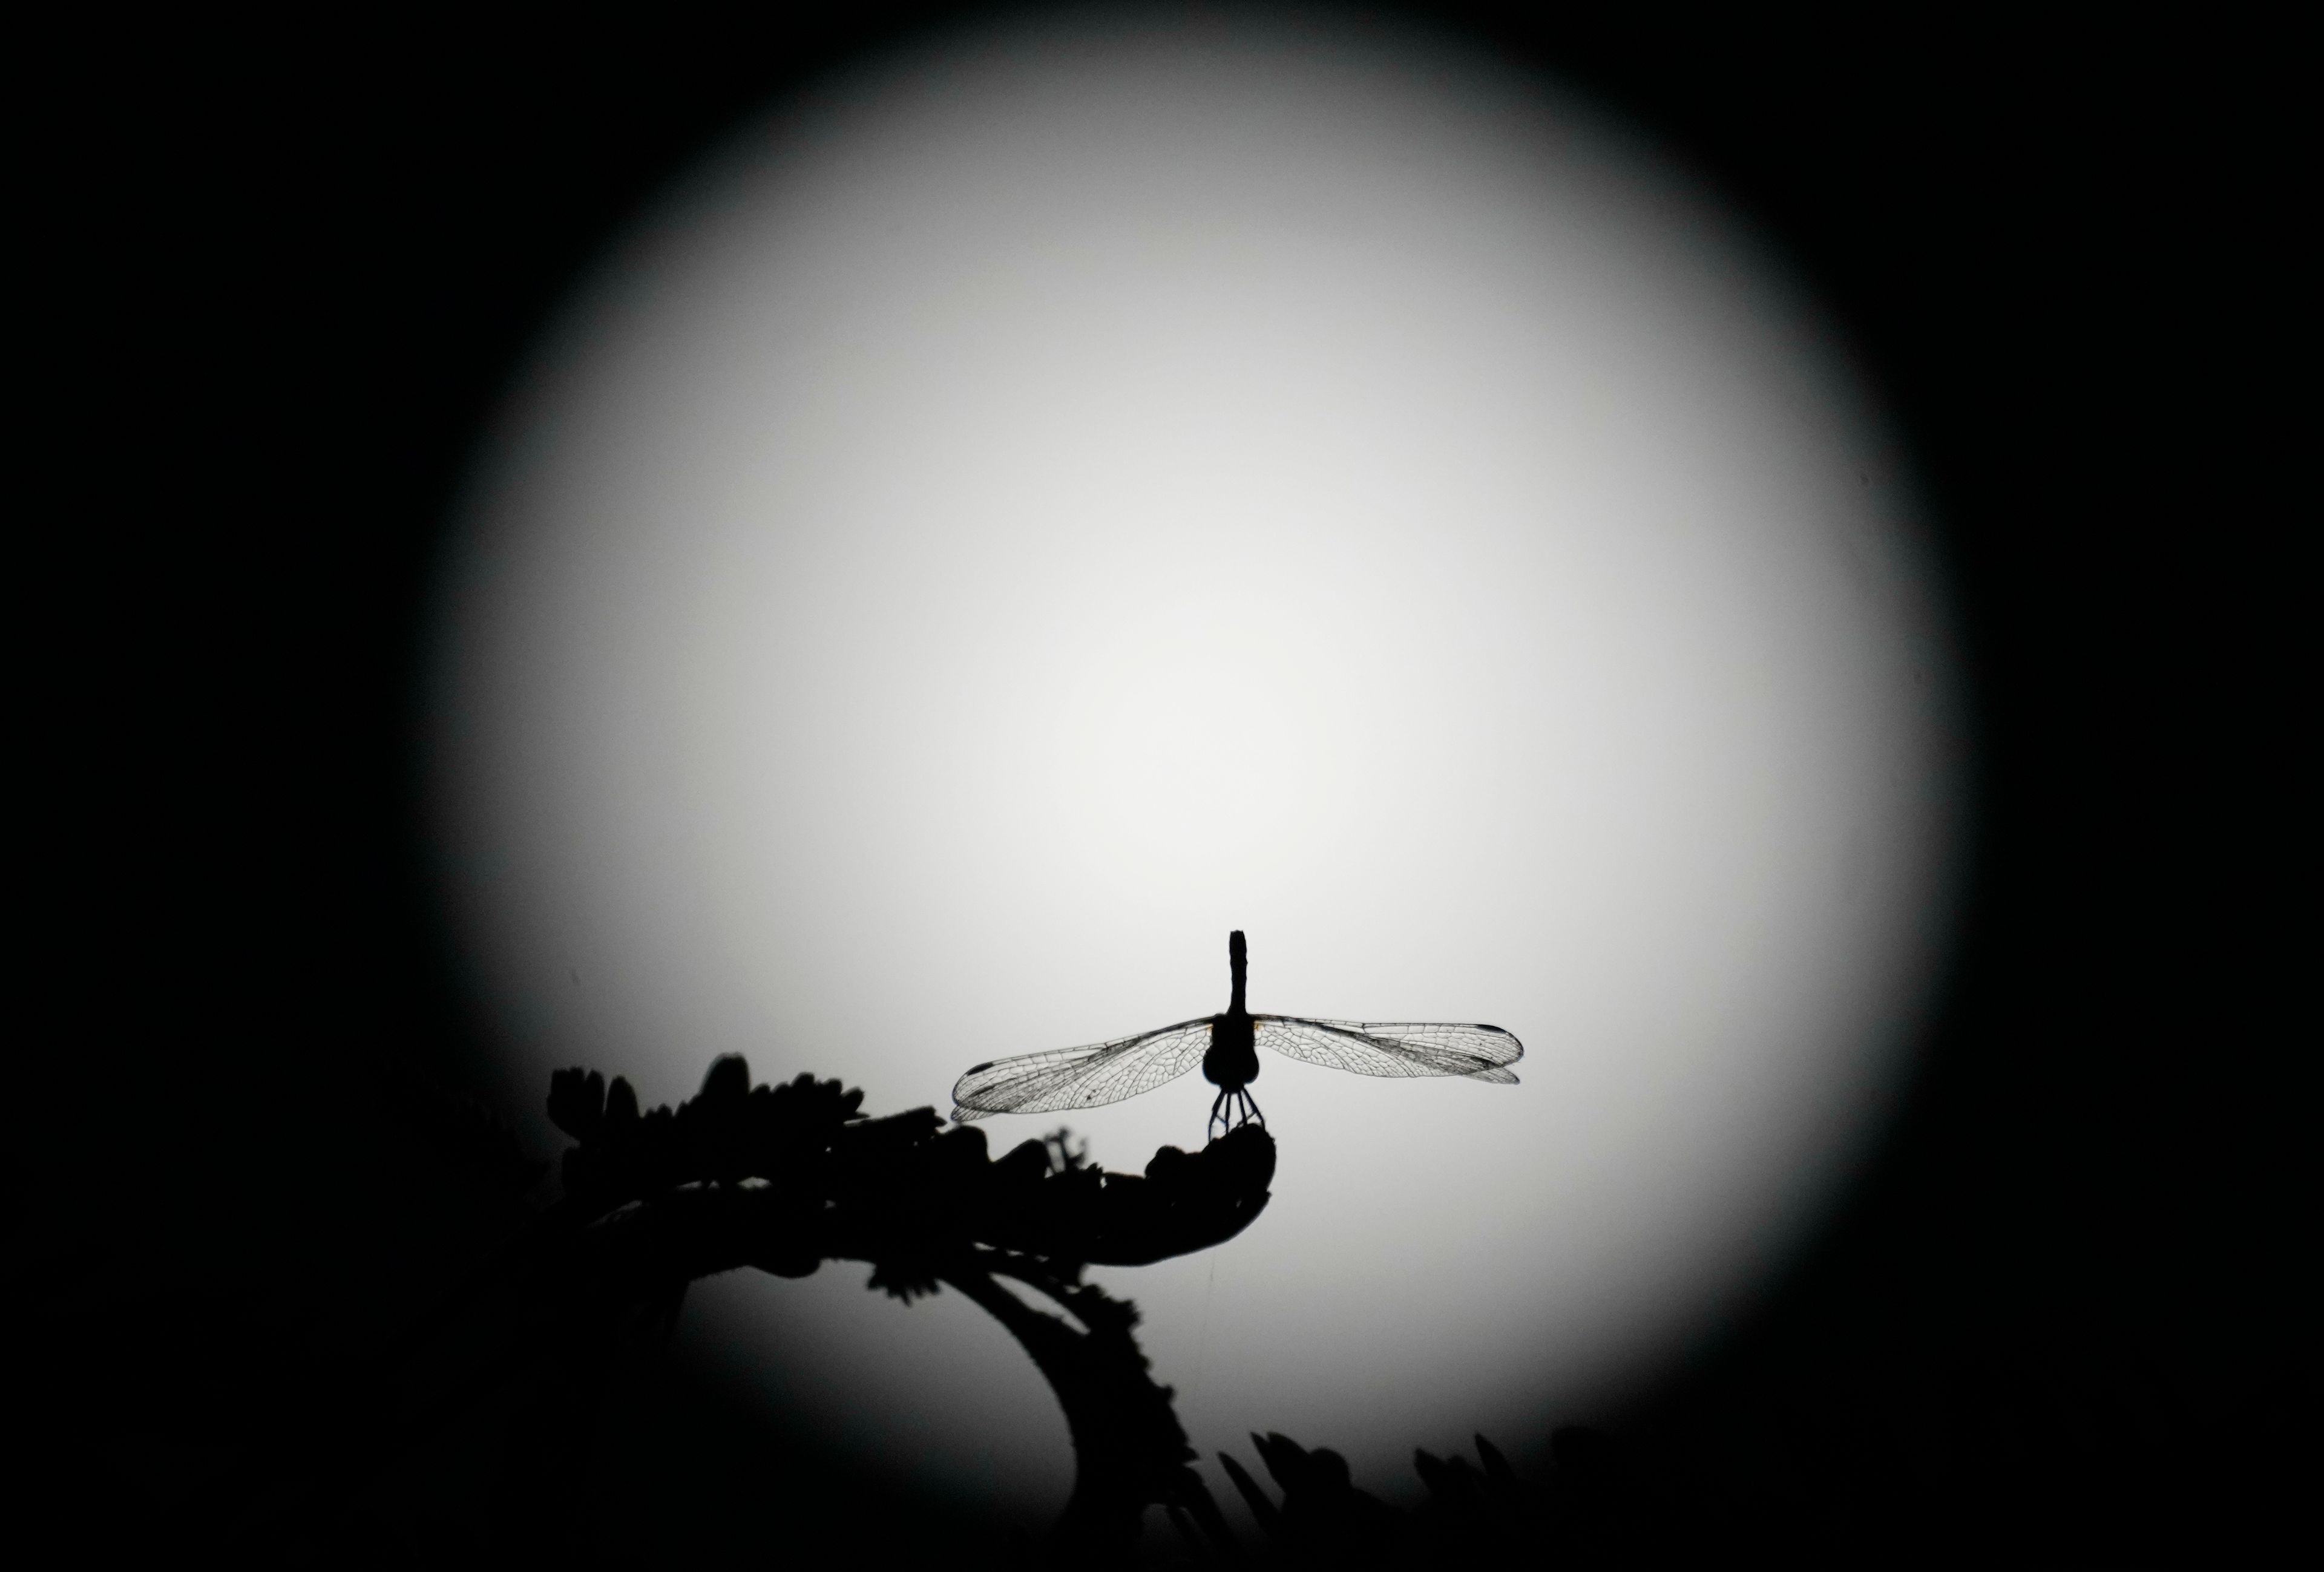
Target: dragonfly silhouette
[(1227, 1047)]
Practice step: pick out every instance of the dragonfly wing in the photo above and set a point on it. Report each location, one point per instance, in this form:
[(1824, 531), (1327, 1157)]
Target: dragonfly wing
[(1082, 1078), (1396, 1048)]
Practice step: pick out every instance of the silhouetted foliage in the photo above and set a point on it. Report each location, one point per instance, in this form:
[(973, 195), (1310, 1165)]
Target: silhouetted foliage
[(2019, 1470), (796, 1175), (1323, 1519), (549, 1334), (784, 1178), (463, 1133)]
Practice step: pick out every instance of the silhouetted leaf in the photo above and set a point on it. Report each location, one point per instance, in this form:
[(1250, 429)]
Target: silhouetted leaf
[(577, 1102), (1269, 1519), (1496, 1468)]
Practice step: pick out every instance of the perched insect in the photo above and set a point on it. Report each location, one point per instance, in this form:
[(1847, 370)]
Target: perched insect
[(1227, 1047)]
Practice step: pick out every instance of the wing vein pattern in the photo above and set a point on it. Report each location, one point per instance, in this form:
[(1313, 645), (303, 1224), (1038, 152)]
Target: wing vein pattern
[(1084, 1077), (1395, 1048)]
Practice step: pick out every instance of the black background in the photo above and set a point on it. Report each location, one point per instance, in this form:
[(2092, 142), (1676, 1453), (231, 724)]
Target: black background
[(279, 277)]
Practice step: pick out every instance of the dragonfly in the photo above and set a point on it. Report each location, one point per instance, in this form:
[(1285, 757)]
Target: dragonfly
[(1227, 1047)]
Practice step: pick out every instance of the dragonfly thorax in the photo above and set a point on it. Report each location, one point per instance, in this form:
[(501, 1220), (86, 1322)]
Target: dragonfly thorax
[(1233, 1058)]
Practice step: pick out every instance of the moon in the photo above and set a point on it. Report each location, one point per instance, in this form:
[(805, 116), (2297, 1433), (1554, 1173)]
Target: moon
[(1049, 495)]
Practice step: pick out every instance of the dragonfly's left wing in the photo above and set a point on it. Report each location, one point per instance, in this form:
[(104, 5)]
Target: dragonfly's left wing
[(1395, 1047), (1084, 1076)]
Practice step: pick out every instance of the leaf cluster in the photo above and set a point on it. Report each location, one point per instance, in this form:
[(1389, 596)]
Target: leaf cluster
[(802, 1175)]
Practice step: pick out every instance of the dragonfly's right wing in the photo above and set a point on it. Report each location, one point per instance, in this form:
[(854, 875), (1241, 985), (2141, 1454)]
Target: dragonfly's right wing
[(1082, 1078), (1396, 1048)]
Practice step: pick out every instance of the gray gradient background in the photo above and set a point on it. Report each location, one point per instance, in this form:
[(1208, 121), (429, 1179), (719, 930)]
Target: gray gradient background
[(1048, 498)]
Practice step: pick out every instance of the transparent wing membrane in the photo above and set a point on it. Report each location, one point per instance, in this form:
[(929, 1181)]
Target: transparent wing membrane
[(1082, 1078), (1395, 1048)]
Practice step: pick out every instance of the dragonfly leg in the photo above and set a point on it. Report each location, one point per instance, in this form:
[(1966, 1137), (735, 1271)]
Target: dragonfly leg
[(1233, 1108)]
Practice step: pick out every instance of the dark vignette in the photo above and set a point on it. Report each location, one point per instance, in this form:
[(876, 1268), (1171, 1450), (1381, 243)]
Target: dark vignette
[(281, 274)]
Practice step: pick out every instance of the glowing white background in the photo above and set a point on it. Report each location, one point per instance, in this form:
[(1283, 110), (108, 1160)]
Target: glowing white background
[(1052, 499)]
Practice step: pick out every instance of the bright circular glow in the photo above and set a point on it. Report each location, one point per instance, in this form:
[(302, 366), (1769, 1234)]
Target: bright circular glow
[(1059, 495)]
